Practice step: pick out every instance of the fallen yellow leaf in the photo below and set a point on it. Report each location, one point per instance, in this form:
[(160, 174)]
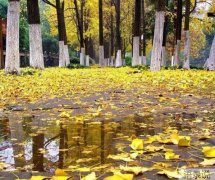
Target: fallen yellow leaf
[(170, 155), (208, 162), (60, 172), (38, 177), (209, 151), (120, 176), (184, 141), (136, 170), (91, 176), (137, 144), (171, 174)]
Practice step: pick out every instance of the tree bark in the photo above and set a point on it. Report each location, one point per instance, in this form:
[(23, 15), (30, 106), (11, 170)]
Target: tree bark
[(118, 34), (143, 58), (186, 64), (12, 62), (101, 38), (210, 64), (136, 36), (35, 35), (178, 32), (1, 46), (158, 36)]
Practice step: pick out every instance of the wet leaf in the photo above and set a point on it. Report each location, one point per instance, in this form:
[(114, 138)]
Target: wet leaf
[(137, 144), (123, 156), (136, 170), (120, 176), (91, 176), (209, 152), (170, 155), (38, 177), (60, 177), (171, 174), (208, 162), (184, 141), (60, 172)]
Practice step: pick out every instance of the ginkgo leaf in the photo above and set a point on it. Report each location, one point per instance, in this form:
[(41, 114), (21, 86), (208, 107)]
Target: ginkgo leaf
[(184, 141), (136, 169), (60, 178), (120, 176), (170, 155), (123, 156), (137, 144), (171, 174), (60, 172), (91, 176), (209, 151), (64, 115), (208, 162), (38, 177), (151, 148)]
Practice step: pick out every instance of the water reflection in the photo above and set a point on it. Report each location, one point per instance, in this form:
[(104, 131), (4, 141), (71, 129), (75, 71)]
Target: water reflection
[(43, 145)]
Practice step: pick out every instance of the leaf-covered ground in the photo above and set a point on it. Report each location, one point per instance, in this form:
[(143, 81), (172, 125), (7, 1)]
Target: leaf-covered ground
[(118, 123)]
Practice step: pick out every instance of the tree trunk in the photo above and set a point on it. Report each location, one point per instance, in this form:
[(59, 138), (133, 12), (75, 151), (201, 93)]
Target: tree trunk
[(1, 46), (136, 31), (186, 64), (62, 61), (82, 57), (66, 49), (35, 35), (178, 33), (118, 34), (101, 38), (210, 64), (143, 58), (12, 62), (165, 33), (158, 36)]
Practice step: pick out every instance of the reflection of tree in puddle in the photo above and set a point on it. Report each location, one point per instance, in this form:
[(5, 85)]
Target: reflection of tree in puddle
[(17, 139)]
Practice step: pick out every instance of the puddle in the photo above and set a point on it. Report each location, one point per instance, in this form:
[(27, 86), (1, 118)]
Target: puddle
[(31, 143)]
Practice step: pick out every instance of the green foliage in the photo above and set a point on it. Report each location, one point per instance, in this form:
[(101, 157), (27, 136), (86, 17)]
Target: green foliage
[(3, 8), (128, 61)]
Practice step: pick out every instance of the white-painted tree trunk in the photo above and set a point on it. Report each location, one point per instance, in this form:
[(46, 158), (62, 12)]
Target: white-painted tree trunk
[(186, 64), (62, 62), (36, 48), (82, 57), (119, 58), (87, 60), (101, 56), (172, 61), (66, 54), (163, 61), (12, 62), (157, 42), (211, 60), (177, 53), (136, 51)]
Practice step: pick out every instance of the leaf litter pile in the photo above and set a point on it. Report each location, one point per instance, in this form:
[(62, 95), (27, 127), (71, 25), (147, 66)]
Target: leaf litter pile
[(112, 124)]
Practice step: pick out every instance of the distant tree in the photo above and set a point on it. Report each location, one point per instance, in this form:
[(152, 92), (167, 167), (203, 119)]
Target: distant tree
[(12, 63)]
